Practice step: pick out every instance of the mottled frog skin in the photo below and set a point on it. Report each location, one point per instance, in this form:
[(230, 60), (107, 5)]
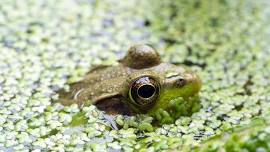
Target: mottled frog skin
[(140, 83)]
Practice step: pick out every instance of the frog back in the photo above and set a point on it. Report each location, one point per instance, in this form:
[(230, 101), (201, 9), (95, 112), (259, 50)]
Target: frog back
[(100, 83)]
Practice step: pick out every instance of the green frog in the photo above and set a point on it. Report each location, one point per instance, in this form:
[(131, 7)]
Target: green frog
[(140, 83)]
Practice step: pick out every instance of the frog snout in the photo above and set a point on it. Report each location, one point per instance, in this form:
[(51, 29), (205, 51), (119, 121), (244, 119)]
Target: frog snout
[(194, 81)]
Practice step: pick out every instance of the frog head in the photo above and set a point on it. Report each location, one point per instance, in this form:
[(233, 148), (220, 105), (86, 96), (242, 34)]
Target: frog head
[(160, 89)]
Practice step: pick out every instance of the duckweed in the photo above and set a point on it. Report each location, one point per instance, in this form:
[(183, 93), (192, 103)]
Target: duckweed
[(45, 45)]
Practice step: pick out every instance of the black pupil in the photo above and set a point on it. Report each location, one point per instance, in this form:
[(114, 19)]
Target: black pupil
[(146, 91)]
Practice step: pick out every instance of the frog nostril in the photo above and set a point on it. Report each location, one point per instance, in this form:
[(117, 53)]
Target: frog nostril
[(180, 82), (146, 91)]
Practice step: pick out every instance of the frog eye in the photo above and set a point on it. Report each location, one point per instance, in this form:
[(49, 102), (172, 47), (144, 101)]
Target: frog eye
[(144, 91)]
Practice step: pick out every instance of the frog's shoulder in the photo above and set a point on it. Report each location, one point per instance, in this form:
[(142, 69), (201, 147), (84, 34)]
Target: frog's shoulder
[(141, 56)]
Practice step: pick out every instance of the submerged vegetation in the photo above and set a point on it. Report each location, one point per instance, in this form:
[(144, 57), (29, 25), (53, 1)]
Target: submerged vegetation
[(46, 44)]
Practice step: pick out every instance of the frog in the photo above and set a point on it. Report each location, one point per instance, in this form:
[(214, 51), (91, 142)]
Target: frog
[(140, 83)]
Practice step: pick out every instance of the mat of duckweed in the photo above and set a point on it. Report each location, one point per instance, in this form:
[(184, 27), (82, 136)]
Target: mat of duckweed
[(46, 44)]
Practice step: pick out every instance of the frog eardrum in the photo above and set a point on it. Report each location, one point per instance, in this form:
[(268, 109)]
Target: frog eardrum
[(144, 91)]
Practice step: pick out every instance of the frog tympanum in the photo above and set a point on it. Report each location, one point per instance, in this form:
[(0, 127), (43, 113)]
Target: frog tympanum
[(140, 83)]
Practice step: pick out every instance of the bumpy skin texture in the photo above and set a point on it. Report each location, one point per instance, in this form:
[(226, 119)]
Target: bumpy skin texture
[(141, 56), (108, 86)]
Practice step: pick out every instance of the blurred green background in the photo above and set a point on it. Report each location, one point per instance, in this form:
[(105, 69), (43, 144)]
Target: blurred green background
[(46, 44)]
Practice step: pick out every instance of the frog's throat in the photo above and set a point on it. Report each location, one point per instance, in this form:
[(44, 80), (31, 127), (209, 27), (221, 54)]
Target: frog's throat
[(176, 108)]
